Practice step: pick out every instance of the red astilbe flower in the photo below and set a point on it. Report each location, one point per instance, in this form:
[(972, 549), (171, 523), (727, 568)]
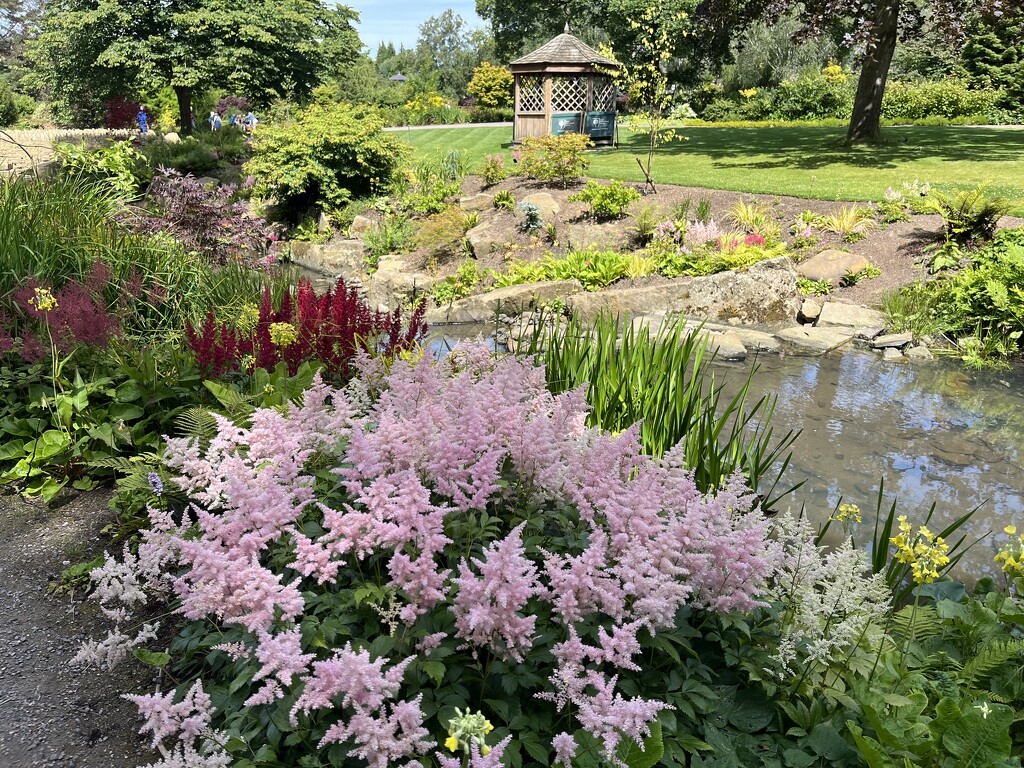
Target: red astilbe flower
[(330, 329)]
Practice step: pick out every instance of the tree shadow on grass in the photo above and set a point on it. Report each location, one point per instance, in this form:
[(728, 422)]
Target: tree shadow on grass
[(808, 148)]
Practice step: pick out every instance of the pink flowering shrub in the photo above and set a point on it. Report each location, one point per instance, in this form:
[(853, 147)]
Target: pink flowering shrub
[(466, 542)]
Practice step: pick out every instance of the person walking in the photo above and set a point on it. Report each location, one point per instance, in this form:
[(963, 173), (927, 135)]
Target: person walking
[(250, 121), (215, 121), (143, 120)]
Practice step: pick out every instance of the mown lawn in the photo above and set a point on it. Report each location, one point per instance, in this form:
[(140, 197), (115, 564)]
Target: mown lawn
[(798, 161)]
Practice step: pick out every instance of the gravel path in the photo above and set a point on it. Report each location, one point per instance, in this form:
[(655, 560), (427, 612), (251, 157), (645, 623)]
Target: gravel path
[(53, 714)]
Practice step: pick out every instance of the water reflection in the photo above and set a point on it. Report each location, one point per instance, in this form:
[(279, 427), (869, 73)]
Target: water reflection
[(932, 433)]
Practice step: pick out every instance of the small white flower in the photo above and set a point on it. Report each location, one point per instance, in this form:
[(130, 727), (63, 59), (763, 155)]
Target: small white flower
[(984, 708)]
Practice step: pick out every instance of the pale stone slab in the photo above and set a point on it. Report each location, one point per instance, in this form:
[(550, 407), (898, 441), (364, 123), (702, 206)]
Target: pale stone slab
[(513, 300), (838, 314), (809, 340)]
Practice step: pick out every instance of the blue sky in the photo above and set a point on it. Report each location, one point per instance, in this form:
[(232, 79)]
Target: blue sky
[(398, 21)]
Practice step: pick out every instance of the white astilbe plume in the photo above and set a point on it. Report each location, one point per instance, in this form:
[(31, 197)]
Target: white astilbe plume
[(832, 600)]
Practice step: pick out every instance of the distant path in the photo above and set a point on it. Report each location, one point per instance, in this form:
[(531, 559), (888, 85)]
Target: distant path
[(21, 149), (450, 125)]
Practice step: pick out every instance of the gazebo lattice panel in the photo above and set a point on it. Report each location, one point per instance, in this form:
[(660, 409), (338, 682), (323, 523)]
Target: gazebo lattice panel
[(604, 95), (531, 94), (564, 86), (568, 94)]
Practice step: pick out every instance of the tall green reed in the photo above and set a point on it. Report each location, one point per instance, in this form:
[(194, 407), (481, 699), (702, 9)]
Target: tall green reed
[(663, 380)]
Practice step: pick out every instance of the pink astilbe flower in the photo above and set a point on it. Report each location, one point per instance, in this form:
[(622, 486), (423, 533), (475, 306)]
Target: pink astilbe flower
[(185, 720), (282, 659), (476, 760), (382, 730), (565, 749), (488, 608)]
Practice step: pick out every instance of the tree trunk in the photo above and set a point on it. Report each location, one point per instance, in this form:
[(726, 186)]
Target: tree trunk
[(184, 94), (866, 121)]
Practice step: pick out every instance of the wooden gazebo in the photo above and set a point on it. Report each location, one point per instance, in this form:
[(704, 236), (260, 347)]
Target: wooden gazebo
[(564, 86)]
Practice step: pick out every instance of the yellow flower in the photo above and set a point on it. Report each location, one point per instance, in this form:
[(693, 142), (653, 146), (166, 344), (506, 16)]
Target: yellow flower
[(925, 553), (848, 512), (44, 301), (488, 727), (283, 334), (485, 750), (1010, 529), (451, 743), (248, 317), (748, 93)]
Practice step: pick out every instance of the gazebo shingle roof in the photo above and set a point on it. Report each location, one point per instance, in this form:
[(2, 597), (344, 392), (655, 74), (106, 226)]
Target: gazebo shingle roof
[(565, 49)]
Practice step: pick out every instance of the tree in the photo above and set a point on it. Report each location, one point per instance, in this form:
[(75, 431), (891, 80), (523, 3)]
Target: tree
[(448, 47), (644, 77), (491, 85), (262, 49), (994, 55), (874, 26)]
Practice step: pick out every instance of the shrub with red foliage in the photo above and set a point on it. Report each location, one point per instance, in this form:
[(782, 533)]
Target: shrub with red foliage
[(209, 221), (329, 329), (228, 104), (120, 112)]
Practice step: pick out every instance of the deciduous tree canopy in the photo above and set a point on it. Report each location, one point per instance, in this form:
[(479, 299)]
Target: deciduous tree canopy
[(260, 48)]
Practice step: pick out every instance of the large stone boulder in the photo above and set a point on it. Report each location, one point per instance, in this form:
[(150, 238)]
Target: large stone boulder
[(765, 293), (836, 314), (611, 235), (172, 138), (546, 204), (511, 301), (338, 258), (396, 284), (489, 235), (360, 226), (831, 265), (482, 201)]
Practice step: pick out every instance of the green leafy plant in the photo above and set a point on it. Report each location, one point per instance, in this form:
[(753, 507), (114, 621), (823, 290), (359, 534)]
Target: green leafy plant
[(852, 278), (814, 287), (119, 165), (755, 219), (505, 200), (555, 158), (645, 222), (394, 234), (703, 214), (434, 181), (459, 285), (607, 201), (532, 220), (327, 155), (491, 85), (660, 378), (494, 169), (969, 216)]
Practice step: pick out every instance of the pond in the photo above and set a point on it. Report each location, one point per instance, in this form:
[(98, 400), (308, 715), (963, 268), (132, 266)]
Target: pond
[(930, 433)]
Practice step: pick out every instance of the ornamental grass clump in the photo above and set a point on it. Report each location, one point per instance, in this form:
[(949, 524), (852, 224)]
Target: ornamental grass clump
[(386, 584)]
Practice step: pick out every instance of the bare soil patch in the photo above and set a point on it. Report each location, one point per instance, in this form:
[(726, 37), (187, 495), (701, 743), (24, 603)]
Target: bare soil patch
[(898, 249)]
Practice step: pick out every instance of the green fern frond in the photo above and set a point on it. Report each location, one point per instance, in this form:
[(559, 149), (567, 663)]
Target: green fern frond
[(920, 621), (989, 659), (196, 422)]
